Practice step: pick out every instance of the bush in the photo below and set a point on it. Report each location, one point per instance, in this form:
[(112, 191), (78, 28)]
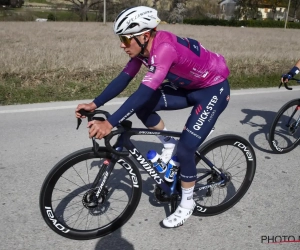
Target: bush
[(245, 23), (51, 17)]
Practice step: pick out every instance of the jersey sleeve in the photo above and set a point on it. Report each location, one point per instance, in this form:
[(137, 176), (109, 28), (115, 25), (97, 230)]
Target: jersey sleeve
[(136, 101), (159, 65), (113, 89), (119, 83), (133, 67)]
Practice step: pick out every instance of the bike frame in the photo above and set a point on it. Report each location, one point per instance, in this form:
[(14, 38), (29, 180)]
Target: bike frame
[(292, 116), (294, 112), (124, 133)]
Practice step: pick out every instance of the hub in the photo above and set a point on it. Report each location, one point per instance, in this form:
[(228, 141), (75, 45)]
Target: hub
[(90, 199), (292, 128)]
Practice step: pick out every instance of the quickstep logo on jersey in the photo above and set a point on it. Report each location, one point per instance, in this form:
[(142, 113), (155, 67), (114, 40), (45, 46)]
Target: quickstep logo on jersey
[(205, 114), (152, 69), (198, 109)]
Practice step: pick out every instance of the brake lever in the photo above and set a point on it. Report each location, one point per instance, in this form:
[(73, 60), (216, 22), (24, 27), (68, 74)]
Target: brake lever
[(286, 86), (78, 123)]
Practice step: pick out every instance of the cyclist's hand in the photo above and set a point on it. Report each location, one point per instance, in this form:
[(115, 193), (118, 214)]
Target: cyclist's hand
[(99, 129), (87, 107), (285, 78)]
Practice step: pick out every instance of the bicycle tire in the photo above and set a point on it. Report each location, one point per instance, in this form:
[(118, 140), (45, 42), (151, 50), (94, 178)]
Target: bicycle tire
[(218, 151), (64, 191), (283, 137)]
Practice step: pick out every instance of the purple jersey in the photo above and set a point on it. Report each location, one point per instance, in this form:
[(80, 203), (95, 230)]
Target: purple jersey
[(182, 61)]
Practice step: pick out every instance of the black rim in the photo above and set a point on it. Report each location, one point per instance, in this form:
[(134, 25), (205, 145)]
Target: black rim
[(67, 195), (237, 163), (285, 133)]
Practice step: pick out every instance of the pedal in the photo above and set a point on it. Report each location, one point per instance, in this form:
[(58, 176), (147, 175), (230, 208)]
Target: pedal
[(160, 195)]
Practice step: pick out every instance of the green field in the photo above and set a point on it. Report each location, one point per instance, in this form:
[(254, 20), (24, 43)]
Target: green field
[(31, 14), (60, 61)]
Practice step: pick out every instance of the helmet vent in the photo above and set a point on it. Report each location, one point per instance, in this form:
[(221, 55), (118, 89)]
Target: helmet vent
[(123, 12), (119, 32), (131, 13), (132, 25), (120, 23)]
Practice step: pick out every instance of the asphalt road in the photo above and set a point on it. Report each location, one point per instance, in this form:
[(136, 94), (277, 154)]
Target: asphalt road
[(35, 137)]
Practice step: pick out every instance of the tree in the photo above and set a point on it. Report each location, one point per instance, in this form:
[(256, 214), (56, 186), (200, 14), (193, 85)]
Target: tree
[(247, 8), (12, 3), (295, 5), (177, 14), (83, 6)]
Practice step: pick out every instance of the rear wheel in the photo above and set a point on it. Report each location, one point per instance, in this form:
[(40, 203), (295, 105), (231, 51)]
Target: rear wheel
[(284, 132), (233, 156), (68, 201)]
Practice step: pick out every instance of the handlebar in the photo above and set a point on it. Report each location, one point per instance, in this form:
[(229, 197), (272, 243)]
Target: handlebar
[(285, 83), (123, 126)]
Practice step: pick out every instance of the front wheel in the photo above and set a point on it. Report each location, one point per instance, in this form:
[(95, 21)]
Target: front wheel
[(235, 158), (284, 132), (68, 200)]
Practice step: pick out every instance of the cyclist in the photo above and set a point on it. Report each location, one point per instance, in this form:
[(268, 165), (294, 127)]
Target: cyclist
[(294, 71), (196, 77)]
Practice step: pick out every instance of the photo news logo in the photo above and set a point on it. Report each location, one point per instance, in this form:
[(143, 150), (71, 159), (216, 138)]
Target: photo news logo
[(280, 239)]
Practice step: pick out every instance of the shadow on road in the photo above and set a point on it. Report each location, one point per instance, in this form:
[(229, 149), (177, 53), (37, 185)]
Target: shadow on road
[(114, 241), (268, 116)]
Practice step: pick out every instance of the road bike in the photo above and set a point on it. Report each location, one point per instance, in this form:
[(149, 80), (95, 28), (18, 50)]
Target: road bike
[(284, 132), (94, 191)]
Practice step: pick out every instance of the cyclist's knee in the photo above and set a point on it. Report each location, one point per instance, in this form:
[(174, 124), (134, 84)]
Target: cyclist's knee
[(148, 119)]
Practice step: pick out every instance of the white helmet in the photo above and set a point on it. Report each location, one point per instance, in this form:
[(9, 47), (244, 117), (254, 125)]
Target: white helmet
[(136, 19)]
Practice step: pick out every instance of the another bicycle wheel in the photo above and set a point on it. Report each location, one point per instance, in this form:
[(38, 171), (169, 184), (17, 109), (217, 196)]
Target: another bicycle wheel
[(67, 199), (284, 132), (233, 156)]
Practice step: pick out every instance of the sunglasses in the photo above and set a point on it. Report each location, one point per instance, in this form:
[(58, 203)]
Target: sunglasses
[(126, 39)]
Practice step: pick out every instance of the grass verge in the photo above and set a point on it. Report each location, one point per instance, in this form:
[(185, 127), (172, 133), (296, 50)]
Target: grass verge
[(67, 86)]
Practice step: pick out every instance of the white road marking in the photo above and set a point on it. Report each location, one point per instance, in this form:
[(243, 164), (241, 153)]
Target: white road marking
[(7, 110)]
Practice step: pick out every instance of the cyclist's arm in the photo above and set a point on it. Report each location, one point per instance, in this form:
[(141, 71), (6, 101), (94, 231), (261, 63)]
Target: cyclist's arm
[(119, 83), (131, 105), (165, 56), (294, 71), (113, 89)]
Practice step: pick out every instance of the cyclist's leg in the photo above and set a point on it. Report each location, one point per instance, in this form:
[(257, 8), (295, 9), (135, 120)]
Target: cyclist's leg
[(208, 103), (168, 97)]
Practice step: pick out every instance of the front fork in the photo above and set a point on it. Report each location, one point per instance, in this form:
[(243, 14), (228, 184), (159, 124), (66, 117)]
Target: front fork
[(104, 172)]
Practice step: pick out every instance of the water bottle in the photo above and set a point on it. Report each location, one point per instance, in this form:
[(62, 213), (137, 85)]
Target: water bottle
[(154, 157), (172, 169)]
